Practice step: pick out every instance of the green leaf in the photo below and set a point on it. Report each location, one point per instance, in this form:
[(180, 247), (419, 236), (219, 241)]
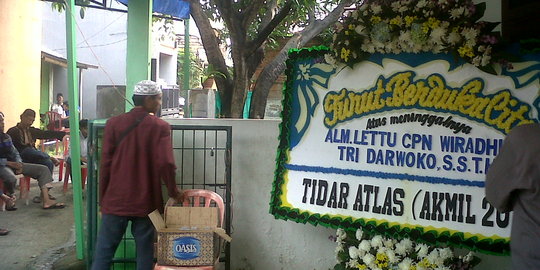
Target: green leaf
[(340, 267), (480, 10), (488, 69)]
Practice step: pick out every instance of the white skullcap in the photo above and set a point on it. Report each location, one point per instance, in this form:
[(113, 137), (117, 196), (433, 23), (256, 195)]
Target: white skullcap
[(147, 88)]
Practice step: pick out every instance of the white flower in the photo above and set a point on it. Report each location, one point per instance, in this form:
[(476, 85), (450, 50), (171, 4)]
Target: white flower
[(365, 245), (360, 29), (359, 234), (368, 47), (353, 252), (468, 257), (477, 60), (403, 9), (454, 38), (330, 59), (437, 35), (340, 233), (376, 9), (389, 243), (396, 5), (446, 253), (351, 263), (469, 33), (421, 3), (377, 241), (407, 243), (438, 48), (456, 13), (485, 60), (338, 249), (368, 259), (391, 256), (400, 249), (422, 250), (405, 264), (417, 48), (434, 258)]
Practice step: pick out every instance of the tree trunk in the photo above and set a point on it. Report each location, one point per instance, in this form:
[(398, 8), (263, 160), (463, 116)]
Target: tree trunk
[(215, 58), (276, 67)]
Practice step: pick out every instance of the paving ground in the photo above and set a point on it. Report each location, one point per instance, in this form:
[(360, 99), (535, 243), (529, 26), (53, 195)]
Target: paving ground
[(38, 237)]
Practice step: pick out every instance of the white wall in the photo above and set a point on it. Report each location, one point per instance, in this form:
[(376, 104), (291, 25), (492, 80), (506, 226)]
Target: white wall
[(260, 242), (105, 32)]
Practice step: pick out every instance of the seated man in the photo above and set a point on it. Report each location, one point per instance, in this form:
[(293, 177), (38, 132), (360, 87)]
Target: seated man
[(24, 138), (83, 135), (3, 231), (10, 164)]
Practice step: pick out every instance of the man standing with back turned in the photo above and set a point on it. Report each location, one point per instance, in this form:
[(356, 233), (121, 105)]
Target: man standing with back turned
[(137, 155), (513, 184)]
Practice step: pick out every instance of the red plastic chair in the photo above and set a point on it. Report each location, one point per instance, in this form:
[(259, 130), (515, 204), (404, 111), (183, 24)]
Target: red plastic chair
[(24, 187), (192, 197), (55, 124), (55, 121), (67, 176)]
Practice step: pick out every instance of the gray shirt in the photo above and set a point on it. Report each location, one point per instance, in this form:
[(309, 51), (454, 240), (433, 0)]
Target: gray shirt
[(513, 184)]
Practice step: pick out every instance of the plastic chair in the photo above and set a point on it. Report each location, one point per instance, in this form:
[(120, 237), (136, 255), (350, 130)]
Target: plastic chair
[(54, 121), (24, 187), (192, 198), (63, 163)]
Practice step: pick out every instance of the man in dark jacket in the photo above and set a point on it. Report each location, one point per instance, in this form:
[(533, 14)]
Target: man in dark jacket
[(136, 157), (11, 164), (513, 184), (24, 138)]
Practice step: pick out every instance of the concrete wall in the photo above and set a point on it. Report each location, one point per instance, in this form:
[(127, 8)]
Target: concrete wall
[(20, 26), (261, 242)]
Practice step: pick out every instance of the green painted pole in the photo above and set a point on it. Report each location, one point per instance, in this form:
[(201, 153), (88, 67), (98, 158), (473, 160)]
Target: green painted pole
[(187, 57), (75, 144), (139, 32), (187, 66), (45, 94)]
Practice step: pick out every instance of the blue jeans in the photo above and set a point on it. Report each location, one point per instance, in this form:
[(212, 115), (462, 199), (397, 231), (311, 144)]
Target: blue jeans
[(31, 155), (110, 234)]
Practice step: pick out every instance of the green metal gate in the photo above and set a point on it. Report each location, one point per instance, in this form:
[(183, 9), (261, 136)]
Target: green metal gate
[(203, 158)]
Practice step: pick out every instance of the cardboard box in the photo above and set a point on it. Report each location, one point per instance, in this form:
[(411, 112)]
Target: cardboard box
[(188, 236)]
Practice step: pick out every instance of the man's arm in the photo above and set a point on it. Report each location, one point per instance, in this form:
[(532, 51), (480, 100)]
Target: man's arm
[(166, 163), (46, 134), (107, 153)]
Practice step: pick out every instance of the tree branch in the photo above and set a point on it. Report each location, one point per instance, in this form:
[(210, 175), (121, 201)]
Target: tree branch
[(276, 67), (224, 7), (266, 31), (250, 13), (271, 9)]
